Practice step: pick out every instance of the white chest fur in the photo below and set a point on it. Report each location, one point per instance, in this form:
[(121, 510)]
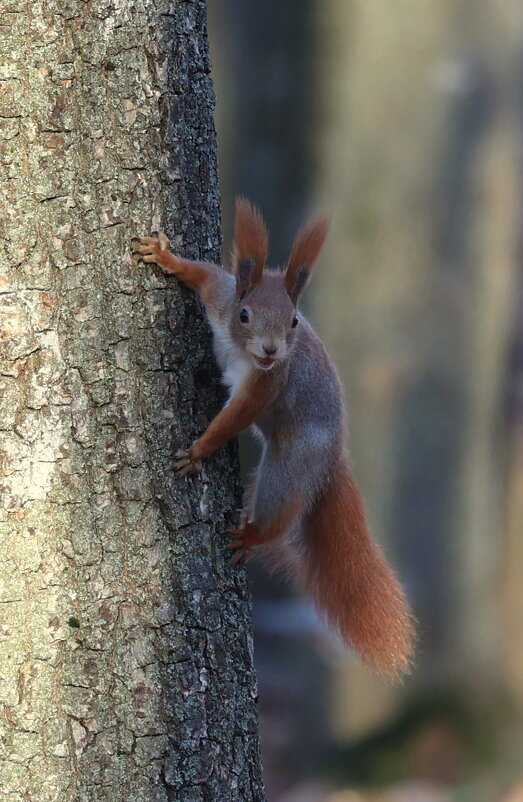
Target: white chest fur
[(234, 364)]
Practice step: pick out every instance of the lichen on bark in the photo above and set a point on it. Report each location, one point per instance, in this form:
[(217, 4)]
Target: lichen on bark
[(125, 648)]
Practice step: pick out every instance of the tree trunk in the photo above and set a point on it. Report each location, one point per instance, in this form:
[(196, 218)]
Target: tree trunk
[(125, 648)]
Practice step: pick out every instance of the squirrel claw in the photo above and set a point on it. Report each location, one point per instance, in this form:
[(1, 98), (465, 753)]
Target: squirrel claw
[(242, 553), (238, 542), (154, 249), (243, 541), (185, 464), (242, 556), (157, 243)]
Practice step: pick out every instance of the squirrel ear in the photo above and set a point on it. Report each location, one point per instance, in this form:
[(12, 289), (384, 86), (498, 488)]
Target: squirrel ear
[(305, 250), (251, 243)]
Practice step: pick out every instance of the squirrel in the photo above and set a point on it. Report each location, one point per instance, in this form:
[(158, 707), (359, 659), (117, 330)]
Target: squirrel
[(303, 505)]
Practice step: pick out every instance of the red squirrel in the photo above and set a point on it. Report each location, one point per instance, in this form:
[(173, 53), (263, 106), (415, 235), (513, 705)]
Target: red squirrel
[(303, 506)]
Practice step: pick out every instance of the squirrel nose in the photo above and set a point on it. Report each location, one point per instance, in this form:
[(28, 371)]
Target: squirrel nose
[(270, 350)]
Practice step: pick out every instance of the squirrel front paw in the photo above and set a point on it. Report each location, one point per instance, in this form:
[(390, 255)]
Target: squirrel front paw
[(156, 249), (186, 463), (244, 541)]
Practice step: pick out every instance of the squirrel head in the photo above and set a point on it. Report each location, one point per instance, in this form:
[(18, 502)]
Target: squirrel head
[(265, 316)]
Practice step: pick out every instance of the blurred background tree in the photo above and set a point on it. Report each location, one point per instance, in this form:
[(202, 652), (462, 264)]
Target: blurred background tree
[(403, 120)]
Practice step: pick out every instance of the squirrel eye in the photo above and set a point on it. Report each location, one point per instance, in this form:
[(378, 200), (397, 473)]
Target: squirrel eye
[(244, 316), (294, 321)]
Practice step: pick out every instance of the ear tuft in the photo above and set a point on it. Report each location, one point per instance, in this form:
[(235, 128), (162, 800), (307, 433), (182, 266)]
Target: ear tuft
[(301, 278), (305, 251), (244, 274), (251, 243)]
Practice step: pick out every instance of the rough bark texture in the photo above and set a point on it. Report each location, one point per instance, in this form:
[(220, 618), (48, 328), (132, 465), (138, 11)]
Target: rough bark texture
[(125, 650)]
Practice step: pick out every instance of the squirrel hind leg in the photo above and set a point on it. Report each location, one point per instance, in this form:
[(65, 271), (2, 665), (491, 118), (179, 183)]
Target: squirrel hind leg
[(275, 503), (286, 556)]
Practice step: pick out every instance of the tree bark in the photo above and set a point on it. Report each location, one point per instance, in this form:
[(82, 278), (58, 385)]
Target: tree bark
[(125, 647)]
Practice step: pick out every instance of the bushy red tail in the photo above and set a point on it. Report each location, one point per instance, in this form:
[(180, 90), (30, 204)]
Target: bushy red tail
[(351, 581)]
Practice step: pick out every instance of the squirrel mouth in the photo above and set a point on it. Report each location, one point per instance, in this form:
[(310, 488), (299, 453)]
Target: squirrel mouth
[(264, 363)]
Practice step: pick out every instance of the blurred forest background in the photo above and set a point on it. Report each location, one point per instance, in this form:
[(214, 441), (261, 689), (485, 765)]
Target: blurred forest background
[(404, 120)]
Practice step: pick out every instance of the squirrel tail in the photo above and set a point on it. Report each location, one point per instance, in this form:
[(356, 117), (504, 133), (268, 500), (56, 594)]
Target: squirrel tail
[(351, 582)]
